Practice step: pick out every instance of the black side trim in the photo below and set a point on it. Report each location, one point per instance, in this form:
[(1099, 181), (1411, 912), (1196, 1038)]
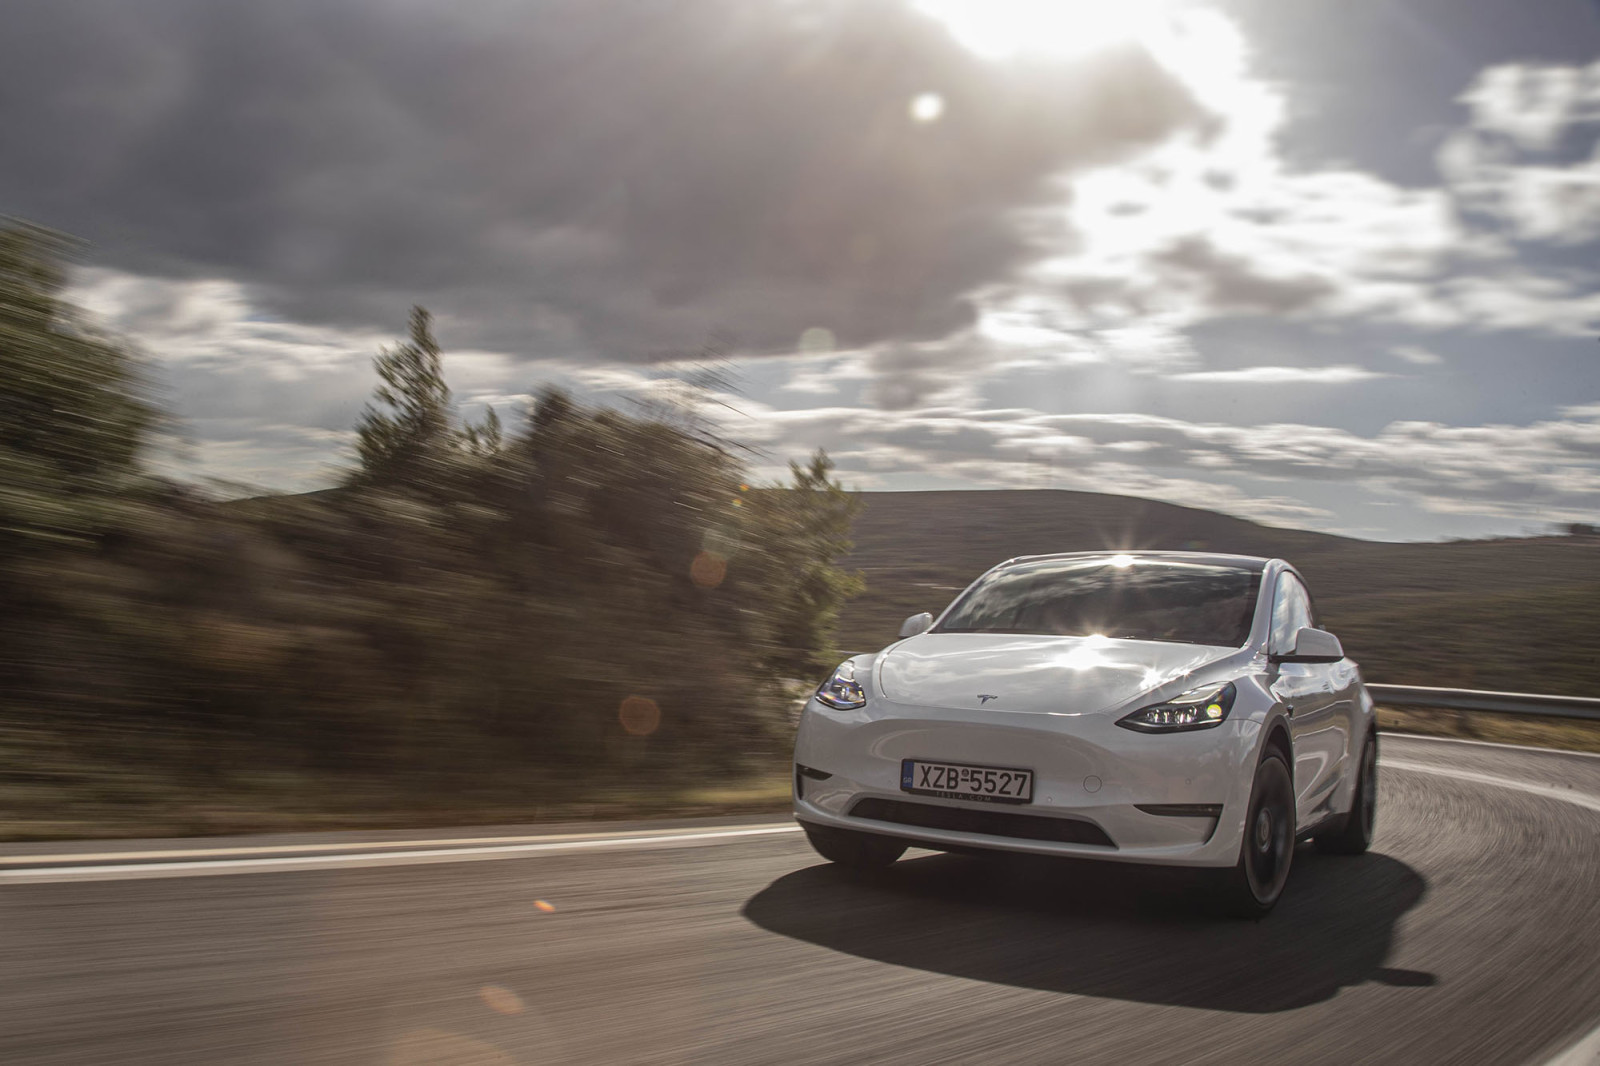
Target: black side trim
[(988, 822), (1182, 810), (1329, 820), (800, 775)]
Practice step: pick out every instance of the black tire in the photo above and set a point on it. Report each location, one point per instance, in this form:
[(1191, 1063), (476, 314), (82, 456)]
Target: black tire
[(1252, 887), (1353, 835), (852, 850)]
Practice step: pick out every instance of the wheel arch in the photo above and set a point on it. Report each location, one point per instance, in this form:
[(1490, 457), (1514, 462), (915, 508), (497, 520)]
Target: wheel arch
[(1277, 739)]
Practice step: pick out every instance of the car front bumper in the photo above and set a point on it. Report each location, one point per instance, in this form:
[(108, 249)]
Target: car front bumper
[(1086, 770)]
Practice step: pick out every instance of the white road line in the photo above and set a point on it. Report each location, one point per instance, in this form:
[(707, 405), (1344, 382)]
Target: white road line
[(282, 864), (1585, 1052), (1566, 795), (1489, 744), (84, 858)]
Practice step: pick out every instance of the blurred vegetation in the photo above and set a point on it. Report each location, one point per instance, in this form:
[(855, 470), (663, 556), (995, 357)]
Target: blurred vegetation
[(592, 607)]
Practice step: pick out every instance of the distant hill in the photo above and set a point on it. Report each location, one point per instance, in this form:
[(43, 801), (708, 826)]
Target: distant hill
[(1517, 613)]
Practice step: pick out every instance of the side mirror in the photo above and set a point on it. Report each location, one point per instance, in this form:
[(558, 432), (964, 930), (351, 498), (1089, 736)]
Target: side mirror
[(1313, 646), (917, 623)]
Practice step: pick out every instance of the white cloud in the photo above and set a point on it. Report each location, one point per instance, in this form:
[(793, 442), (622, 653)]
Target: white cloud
[(814, 381), (213, 322), (1534, 105), (822, 375), (1141, 348), (1510, 164), (1511, 300), (1198, 229), (1490, 470), (1283, 375), (1537, 200), (612, 378), (1411, 353)]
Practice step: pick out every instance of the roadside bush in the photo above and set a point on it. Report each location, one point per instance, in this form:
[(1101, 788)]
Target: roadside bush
[(589, 600)]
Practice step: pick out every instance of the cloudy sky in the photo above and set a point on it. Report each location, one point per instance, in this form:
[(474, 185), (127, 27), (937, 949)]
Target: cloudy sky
[(1324, 263)]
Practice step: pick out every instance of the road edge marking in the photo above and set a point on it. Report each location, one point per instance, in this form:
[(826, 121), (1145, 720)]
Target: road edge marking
[(1585, 1051), (428, 856), (1568, 795), (352, 846)]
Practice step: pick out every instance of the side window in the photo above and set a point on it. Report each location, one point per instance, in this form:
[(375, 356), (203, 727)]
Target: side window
[(1291, 609)]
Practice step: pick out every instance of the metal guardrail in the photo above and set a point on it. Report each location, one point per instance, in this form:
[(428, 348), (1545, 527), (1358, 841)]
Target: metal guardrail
[(1466, 699)]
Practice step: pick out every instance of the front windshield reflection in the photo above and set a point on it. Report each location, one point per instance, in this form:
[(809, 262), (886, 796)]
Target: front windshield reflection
[(1121, 597)]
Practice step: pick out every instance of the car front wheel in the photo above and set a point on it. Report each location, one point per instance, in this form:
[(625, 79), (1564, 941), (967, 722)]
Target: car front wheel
[(1253, 886), (853, 850)]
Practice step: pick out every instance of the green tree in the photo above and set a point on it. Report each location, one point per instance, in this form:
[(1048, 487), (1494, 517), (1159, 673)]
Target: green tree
[(73, 418), (805, 529), (405, 436), (73, 423), (484, 439)]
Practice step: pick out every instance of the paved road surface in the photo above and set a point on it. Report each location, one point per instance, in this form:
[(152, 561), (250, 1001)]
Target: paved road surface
[(1470, 934)]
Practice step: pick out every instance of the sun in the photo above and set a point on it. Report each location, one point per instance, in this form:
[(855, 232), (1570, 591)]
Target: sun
[(1000, 29)]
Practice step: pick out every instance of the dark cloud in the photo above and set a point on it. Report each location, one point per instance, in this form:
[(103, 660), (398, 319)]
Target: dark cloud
[(558, 177), (906, 376), (1234, 283)]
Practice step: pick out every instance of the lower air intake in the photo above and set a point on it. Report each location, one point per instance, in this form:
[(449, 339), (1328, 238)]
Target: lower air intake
[(989, 823)]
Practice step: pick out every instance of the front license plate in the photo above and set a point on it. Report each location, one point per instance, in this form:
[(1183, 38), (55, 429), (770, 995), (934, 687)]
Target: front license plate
[(986, 784)]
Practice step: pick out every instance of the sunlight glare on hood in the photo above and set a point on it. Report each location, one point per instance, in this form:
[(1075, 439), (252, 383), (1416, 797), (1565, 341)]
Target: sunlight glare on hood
[(1087, 654)]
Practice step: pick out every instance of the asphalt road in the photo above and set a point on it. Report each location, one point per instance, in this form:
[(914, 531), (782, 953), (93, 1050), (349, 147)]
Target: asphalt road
[(1470, 934)]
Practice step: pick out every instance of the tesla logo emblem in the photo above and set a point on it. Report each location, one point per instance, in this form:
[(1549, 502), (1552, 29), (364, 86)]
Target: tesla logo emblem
[(982, 699)]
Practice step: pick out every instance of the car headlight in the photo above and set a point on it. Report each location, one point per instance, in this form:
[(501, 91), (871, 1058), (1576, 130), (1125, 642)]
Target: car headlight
[(842, 691), (1199, 708)]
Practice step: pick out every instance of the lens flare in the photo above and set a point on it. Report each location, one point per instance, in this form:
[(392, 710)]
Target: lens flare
[(501, 999), (927, 107), (708, 569), (817, 340), (639, 715)]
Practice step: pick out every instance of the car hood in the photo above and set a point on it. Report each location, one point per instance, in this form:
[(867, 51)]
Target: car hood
[(1034, 674)]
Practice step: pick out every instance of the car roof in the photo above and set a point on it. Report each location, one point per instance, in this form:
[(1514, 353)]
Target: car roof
[(1242, 562)]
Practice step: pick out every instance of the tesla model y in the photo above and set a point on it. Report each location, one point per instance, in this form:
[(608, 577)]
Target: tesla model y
[(1172, 708)]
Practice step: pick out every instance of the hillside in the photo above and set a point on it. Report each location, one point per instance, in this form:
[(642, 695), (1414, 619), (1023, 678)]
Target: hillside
[(1520, 614)]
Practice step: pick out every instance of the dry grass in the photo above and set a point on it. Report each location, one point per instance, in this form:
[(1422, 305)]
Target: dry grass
[(1526, 730), (227, 820)]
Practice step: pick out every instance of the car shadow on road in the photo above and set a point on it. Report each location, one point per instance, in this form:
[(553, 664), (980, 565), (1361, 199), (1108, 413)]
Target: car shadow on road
[(1108, 930)]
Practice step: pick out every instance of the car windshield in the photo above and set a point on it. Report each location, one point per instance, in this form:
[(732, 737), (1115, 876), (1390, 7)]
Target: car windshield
[(1113, 596)]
